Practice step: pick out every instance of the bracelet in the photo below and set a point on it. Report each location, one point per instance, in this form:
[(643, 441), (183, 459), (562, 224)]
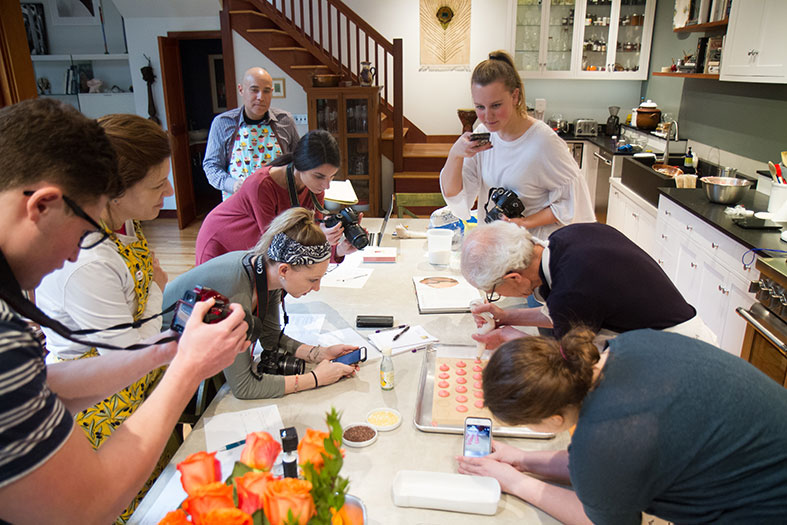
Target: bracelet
[(316, 384), (296, 382)]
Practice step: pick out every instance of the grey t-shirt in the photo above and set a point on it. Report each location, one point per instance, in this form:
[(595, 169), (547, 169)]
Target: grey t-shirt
[(684, 431), (227, 275)]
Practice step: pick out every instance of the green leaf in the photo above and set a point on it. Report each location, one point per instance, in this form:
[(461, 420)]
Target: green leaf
[(238, 470), (259, 518)]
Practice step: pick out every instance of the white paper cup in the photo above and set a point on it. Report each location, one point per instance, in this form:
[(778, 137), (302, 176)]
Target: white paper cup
[(439, 246), (778, 197)]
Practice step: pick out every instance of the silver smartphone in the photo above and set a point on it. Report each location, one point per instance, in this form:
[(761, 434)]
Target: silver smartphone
[(477, 437)]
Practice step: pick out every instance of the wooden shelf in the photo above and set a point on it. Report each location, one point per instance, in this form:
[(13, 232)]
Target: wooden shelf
[(710, 26), (687, 75)]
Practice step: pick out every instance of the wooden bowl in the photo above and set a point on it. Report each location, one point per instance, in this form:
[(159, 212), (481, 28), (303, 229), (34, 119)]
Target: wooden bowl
[(669, 171), (325, 80)]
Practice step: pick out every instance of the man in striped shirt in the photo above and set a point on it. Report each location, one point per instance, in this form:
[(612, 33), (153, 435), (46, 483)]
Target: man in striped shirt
[(244, 139), (58, 173)]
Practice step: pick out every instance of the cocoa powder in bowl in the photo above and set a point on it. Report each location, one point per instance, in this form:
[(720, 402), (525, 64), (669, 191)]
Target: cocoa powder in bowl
[(358, 433)]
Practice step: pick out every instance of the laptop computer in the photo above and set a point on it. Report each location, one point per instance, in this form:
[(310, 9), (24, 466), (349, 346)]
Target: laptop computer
[(376, 238)]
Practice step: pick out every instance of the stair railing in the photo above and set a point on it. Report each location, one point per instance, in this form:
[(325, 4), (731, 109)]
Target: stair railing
[(345, 40)]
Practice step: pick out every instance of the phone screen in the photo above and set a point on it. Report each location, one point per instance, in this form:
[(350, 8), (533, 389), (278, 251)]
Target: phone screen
[(353, 357), (478, 437)]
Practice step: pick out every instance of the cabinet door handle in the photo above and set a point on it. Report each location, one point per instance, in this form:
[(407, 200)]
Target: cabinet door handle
[(663, 236), (689, 228), (636, 216), (714, 245), (693, 265), (667, 213), (762, 329), (661, 262), (602, 159)]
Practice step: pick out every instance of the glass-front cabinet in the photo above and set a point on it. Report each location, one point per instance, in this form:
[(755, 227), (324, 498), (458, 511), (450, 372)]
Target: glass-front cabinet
[(352, 115), (603, 39)]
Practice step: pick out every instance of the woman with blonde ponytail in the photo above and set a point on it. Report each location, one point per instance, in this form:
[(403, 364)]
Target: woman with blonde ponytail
[(290, 258), (664, 424)]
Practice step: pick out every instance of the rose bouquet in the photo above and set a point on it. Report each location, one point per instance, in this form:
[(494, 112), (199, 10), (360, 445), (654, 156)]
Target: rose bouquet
[(252, 495)]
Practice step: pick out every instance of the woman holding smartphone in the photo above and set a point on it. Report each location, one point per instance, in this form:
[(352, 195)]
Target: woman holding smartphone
[(522, 154), (290, 258), (665, 424)]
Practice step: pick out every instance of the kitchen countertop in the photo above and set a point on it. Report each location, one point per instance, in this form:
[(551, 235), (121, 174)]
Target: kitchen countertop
[(602, 141), (695, 201)]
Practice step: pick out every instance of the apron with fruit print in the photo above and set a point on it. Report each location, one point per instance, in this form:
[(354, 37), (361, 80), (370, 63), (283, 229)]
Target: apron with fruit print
[(254, 146), (99, 421)]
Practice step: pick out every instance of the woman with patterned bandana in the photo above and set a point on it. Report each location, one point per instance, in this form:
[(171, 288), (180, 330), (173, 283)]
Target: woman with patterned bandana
[(290, 258)]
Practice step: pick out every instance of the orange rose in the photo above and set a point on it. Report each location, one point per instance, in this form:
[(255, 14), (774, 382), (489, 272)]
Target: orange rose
[(261, 451), (227, 517), (176, 517), (311, 448), (251, 490), (199, 469), (348, 515), (285, 495), (207, 498)]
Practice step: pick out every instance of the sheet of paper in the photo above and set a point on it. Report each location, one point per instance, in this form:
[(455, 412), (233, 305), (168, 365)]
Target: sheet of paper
[(341, 191), (303, 326), (230, 427), (346, 277), (444, 293), (413, 339), (348, 336)]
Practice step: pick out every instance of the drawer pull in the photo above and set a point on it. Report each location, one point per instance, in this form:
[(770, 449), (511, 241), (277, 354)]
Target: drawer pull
[(693, 265), (689, 228), (714, 245)]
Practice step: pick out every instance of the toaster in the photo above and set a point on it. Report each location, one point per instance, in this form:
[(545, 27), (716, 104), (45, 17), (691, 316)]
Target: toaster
[(585, 127)]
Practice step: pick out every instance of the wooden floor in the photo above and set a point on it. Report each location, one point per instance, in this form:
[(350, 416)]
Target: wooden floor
[(173, 247)]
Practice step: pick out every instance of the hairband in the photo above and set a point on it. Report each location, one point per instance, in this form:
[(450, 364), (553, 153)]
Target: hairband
[(287, 250), (562, 353)]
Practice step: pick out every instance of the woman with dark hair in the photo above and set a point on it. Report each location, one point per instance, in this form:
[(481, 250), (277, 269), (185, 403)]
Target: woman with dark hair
[(523, 155), (665, 424), (238, 222), (290, 258), (119, 280)]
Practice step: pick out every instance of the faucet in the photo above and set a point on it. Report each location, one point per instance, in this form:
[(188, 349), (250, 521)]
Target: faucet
[(670, 123)]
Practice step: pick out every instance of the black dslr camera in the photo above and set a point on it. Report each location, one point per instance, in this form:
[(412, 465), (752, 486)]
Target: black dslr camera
[(183, 308), (505, 202), (281, 363), (352, 231)]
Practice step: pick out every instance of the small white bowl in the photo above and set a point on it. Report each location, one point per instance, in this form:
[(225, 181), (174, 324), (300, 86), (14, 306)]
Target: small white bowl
[(366, 443), (391, 418)]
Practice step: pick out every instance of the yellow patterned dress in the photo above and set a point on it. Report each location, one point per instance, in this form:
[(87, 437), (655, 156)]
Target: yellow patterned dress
[(99, 421)]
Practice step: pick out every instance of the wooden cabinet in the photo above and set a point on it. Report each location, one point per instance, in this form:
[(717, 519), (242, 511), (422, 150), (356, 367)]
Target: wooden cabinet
[(756, 41), (352, 114), (601, 39), (706, 267)]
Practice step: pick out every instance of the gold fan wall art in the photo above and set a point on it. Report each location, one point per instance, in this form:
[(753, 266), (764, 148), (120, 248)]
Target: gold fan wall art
[(445, 34)]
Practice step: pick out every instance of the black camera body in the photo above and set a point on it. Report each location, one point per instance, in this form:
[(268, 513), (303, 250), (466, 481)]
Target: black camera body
[(506, 203), (352, 230), (183, 308), (281, 363)]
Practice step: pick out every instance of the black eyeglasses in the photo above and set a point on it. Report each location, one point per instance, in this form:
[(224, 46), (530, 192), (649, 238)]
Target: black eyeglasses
[(84, 244), (492, 296)]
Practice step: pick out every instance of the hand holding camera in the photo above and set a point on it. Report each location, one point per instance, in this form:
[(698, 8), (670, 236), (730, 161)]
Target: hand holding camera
[(353, 232), (504, 203)]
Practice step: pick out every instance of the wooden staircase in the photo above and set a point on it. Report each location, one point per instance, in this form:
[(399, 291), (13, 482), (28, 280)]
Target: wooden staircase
[(305, 37)]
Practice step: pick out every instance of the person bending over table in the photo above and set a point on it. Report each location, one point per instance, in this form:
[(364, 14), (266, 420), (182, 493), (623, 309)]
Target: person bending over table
[(589, 274), (237, 223), (59, 170), (665, 424), (290, 258), (119, 280), (523, 155)]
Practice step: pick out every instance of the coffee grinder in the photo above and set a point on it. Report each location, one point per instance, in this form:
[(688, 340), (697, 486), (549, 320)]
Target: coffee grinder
[(613, 122)]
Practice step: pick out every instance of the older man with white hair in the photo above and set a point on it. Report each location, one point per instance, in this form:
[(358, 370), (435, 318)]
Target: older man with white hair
[(246, 138), (586, 273)]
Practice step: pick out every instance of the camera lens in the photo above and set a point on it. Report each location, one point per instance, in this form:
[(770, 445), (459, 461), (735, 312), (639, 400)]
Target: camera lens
[(357, 236), (289, 365)]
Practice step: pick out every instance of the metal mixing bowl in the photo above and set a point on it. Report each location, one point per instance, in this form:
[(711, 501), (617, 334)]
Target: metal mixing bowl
[(725, 190)]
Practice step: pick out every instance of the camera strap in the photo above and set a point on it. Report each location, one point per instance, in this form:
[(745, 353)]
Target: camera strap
[(488, 198), (294, 193)]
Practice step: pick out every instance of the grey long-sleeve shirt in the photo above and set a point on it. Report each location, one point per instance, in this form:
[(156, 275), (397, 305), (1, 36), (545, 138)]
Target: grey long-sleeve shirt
[(227, 275)]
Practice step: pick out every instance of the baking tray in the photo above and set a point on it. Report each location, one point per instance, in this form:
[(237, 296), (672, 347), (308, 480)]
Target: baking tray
[(423, 406)]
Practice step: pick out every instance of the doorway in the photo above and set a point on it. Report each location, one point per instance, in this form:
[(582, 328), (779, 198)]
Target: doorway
[(193, 73)]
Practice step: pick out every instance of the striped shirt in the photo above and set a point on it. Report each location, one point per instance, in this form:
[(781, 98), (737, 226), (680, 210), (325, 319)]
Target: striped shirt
[(222, 133), (34, 423)]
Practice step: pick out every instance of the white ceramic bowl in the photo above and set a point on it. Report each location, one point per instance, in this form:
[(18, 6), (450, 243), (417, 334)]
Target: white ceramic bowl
[(364, 443), (384, 418)]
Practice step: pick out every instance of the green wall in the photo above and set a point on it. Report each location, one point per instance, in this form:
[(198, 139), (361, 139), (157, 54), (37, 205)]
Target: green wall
[(749, 119)]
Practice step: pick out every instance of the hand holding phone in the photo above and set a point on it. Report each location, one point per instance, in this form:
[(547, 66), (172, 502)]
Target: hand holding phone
[(477, 437), (480, 139), (356, 356)]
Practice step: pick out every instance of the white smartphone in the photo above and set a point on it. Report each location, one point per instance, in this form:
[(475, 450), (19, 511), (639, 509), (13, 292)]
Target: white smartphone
[(478, 437)]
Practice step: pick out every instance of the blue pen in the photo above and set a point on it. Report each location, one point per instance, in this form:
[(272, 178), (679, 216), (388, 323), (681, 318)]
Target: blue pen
[(233, 445), (391, 328)]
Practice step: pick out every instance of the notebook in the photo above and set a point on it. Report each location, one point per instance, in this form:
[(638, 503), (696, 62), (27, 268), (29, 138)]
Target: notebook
[(341, 192), (444, 294)]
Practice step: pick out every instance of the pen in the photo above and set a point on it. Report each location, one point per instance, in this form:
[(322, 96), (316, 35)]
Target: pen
[(235, 444), (397, 336), (390, 328)]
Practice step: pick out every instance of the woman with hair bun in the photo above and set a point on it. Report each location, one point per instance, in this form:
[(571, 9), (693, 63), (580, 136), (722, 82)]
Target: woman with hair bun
[(290, 258), (665, 424), (238, 222), (523, 155)]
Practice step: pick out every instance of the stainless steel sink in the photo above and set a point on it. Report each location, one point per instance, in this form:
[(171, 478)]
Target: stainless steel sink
[(644, 181)]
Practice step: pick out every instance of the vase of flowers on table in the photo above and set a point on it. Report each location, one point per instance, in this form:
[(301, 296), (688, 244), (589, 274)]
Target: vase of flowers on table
[(252, 495)]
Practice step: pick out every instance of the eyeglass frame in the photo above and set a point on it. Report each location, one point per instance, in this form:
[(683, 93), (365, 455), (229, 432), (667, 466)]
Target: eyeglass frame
[(79, 212), (490, 296)]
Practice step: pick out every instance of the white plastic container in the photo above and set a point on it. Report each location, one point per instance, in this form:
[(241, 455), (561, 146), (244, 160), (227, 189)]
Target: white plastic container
[(439, 246), (445, 491)]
